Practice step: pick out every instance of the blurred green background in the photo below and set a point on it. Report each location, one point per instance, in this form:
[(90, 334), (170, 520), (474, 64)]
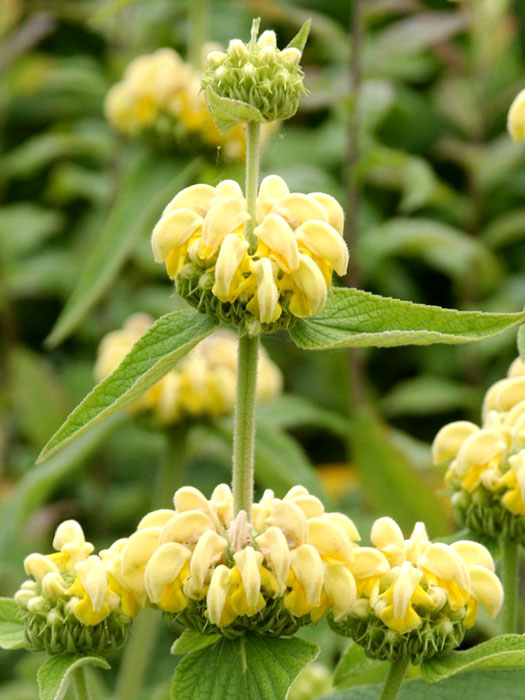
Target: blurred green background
[(404, 124)]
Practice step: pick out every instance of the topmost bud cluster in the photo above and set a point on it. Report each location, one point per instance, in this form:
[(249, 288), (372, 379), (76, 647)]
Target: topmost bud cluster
[(259, 74)]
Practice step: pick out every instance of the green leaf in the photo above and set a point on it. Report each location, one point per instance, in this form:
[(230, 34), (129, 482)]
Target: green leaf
[(478, 685), (428, 395), (147, 187), (12, 634), (300, 39), (355, 668), (521, 342), (505, 651), (291, 411), (152, 356), (353, 318), (55, 674), (227, 112), (250, 667), (191, 641), (390, 480), (38, 481), (24, 226)]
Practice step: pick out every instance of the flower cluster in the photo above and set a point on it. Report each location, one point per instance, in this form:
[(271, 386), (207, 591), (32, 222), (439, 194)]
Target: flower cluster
[(160, 98), (213, 572), (203, 383), (414, 598), (286, 271), (486, 470), (258, 74), (72, 604)]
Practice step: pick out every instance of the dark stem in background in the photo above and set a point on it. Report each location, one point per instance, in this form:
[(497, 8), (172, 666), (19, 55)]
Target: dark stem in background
[(137, 654), (353, 191)]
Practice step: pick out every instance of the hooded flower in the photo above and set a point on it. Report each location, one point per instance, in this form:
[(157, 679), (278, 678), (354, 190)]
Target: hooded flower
[(298, 244)]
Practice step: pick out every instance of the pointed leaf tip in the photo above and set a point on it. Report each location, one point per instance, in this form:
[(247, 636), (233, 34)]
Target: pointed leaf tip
[(300, 39)]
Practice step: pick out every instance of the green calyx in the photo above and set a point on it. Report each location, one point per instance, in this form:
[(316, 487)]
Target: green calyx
[(255, 81), (274, 620), (482, 511), (438, 633), (57, 631), (197, 290)]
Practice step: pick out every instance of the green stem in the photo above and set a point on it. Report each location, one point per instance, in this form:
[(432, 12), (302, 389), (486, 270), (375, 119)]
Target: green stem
[(253, 134), (80, 684), (510, 552), (139, 649), (198, 16), (394, 679), (244, 425)]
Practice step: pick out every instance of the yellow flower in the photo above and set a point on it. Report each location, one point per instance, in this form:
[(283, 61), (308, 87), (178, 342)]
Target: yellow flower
[(401, 596), (504, 395), (514, 481), (305, 581), (299, 244), (165, 574), (450, 438), (96, 599), (479, 452), (516, 117)]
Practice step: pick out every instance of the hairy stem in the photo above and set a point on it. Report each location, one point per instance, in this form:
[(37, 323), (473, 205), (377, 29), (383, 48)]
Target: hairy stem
[(244, 425), (510, 552), (80, 685), (253, 133), (198, 16), (394, 679)]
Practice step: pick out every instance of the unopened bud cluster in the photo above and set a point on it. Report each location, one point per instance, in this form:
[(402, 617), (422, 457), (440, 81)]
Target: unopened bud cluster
[(486, 465), (202, 385), (160, 99), (262, 285), (71, 604), (258, 74), (414, 598)]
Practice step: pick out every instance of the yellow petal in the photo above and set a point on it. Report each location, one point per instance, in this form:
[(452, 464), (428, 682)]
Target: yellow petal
[(249, 562), (329, 539), (53, 585), (290, 519), (510, 392), (310, 505), (516, 117), (479, 449), (163, 568), (267, 292), (229, 188), (296, 490), (517, 368), (407, 578), (486, 588), (157, 518), (277, 235), (450, 438), (222, 500), (445, 563), (172, 231), (38, 565), (186, 527), (297, 208), (272, 189), (225, 216), (332, 208), (473, 554), (346, 523), (339, 586), (196, 197), (385, 531), (308, 568), (167, 405), (217, 594), (94, 580), (231, 254), (410, 621), (325, 243), (309, 279), (369, 562), (272, 543), (208, 551), (68, 532)]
